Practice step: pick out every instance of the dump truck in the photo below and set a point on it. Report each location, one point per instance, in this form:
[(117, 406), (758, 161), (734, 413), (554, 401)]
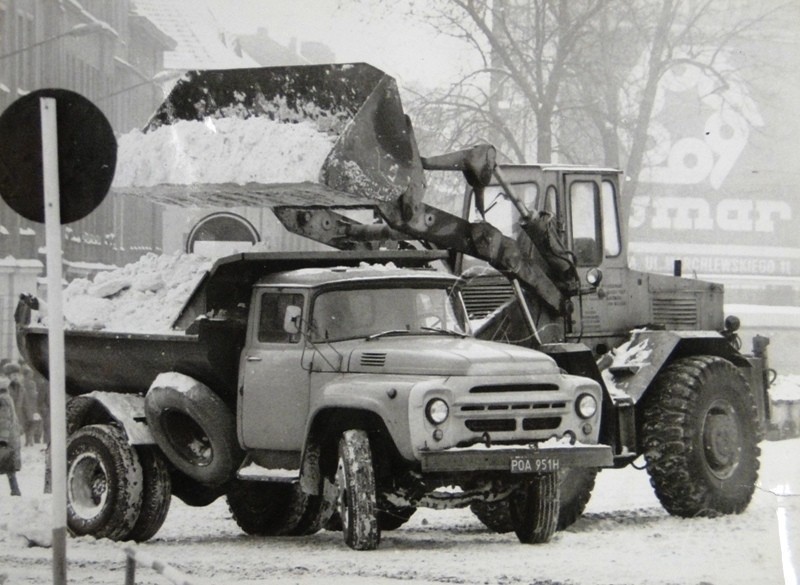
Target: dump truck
[(304, 379), (673, 383)]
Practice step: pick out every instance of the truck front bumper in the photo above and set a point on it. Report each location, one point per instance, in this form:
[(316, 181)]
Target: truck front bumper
[(516, 460)]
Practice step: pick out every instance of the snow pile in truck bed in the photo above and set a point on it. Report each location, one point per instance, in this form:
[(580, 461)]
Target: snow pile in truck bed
[(143, 297), (222, 150)]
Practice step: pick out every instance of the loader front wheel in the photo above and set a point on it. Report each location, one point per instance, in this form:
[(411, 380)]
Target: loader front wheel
[(104, 483), (700, 438), (356, 493)]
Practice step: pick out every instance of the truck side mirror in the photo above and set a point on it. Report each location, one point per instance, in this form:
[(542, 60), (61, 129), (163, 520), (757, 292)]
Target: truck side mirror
[(291, 319)]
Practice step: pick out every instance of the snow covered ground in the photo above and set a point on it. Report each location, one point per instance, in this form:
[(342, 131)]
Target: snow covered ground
[(624, 537)]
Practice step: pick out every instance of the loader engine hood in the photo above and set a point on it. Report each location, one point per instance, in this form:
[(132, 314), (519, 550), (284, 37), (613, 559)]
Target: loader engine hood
[(413, 355)]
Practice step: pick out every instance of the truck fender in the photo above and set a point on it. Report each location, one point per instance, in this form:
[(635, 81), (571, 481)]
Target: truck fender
[(637, 362), (126, 409)]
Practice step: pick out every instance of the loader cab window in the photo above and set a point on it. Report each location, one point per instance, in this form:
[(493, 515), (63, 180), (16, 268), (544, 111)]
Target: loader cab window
[(272, 314), (499, 209), (611, 237), (585, 223)]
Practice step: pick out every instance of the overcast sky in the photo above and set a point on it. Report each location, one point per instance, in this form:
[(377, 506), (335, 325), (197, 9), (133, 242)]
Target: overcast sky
[(402, 47)]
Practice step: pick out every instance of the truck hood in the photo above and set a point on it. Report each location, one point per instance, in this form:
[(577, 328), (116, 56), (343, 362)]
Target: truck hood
[(445, 356)]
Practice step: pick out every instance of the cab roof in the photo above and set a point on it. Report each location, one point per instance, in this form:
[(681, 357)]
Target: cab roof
[(312, 277)]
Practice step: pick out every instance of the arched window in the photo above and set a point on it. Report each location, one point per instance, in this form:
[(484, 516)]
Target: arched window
[(220, 234)]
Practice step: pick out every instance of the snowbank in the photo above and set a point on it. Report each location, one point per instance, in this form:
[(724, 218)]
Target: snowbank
[(143, 297), (223, 150)]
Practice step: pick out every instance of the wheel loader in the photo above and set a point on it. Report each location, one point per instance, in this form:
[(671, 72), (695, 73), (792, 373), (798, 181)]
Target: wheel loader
[(677, 390)]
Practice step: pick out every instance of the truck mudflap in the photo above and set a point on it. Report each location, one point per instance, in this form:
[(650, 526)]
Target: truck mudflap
[(517, 460)]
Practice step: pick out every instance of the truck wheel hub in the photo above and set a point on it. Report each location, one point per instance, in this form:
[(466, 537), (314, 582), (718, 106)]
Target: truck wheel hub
[(88, 486), (722, 443)]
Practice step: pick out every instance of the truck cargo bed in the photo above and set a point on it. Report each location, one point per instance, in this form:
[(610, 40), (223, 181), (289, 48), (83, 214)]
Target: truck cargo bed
[(124, 362)]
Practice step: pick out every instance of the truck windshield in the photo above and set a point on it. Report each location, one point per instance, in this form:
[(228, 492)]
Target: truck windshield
[(351, 313)]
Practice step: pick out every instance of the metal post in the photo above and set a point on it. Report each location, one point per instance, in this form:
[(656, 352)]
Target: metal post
[(58, 426)]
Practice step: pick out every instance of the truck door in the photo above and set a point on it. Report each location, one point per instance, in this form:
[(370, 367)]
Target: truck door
[(604, 316), (273, 385)]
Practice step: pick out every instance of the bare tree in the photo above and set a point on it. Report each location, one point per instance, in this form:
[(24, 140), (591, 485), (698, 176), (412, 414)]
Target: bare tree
[(580, 80)]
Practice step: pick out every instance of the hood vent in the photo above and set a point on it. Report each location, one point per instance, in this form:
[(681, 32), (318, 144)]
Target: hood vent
[(373, 359)]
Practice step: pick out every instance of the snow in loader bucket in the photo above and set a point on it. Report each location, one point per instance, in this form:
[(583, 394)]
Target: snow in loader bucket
[(316, 135)]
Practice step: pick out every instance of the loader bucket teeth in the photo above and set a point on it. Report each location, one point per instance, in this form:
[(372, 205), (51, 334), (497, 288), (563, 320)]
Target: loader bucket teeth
[(374, 155)]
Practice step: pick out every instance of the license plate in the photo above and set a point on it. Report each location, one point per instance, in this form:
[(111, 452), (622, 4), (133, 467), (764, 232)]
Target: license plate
[(533, 464)]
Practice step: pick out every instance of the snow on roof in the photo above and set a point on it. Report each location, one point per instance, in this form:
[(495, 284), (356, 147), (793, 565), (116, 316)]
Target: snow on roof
[(201, 42)]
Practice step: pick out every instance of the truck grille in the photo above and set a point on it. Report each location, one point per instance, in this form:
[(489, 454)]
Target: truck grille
[(491, 388), (498, 425), (508, 417), (675, 310)]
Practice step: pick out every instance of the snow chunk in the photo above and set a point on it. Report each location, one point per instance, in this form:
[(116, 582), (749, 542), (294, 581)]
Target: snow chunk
[(143, 297), (223, 150)]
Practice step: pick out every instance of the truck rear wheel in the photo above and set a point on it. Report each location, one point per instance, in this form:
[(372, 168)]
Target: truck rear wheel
[(156, 495), (496, 515), (104, 483), (273, 509), (700, 438), (534, 509), (356, 493), (196, 431)]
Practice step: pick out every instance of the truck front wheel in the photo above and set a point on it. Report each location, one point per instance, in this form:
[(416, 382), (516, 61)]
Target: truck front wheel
[(104, 483), (700, 438), (534, 509), (356, 493)]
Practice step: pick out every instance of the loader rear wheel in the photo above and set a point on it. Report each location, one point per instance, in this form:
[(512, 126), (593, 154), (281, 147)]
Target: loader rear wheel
[(700, 438), (576, 485), (104, 483), (196, 431), (356, 493), (156, 495), (534, 509)]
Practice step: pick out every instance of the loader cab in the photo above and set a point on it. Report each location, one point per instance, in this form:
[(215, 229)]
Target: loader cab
[(584, 202), (587, 210)]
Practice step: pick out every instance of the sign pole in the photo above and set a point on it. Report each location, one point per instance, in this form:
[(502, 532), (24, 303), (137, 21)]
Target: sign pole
[(58, 430)]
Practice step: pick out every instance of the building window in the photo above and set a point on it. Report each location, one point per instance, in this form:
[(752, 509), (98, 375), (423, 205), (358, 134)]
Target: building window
[(220, 234)]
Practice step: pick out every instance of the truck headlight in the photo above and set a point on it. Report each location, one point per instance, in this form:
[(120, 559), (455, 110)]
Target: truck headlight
[(586, 406), (437, 411)]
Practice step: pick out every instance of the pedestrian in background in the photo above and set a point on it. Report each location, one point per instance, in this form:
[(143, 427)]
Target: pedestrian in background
[(10, 456), (31, 417), (12, 371)]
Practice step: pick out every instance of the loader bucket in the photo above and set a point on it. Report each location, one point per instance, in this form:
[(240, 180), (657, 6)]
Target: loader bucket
[(374, 155)]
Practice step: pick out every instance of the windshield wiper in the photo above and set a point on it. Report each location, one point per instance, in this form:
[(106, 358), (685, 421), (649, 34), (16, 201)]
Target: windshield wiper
[(388, 332), (445, 331)]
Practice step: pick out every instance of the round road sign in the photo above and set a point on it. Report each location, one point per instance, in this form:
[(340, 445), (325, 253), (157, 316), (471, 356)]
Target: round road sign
[(87, 155)]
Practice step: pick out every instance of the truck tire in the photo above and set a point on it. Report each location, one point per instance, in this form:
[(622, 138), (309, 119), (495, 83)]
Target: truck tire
[(191, 492), (534, 509), (496, 515), (700, 438), (156, 495), (273, 509), (391, 517), (196, 431), (104, 483), (356, 493), (576, 485)]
